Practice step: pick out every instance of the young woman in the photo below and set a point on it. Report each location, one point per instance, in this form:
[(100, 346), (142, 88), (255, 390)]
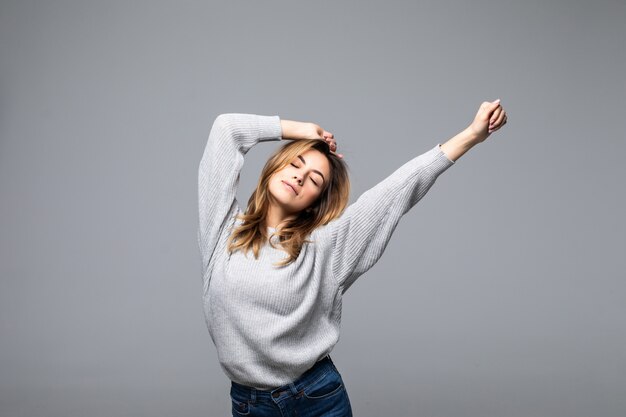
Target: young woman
[(274, 317)]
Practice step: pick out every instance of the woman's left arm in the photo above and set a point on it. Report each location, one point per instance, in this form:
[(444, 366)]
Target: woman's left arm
[(489, 118), (360, 235)]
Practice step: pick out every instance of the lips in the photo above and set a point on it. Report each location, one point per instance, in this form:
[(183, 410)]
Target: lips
[(290, 186)]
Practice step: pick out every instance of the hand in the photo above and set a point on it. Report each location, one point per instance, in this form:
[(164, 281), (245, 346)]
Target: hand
[(332, 143), (327, 137), (291, 129), (490, 117)]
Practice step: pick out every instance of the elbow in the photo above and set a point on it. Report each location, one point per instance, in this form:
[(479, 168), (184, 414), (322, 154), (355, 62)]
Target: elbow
[(223, 123), (221, 119)]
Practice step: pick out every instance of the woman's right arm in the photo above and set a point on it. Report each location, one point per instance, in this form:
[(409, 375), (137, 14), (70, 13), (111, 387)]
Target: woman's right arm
[(306, 130), (298, 130), (230, 138)]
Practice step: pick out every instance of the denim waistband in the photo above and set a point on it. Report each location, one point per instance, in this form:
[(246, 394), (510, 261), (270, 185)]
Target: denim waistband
[(313, 374)]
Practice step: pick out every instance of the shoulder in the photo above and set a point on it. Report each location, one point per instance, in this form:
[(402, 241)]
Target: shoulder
[(322, 234)]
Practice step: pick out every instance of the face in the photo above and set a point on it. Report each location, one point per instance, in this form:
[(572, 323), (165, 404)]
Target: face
[(300, 183)]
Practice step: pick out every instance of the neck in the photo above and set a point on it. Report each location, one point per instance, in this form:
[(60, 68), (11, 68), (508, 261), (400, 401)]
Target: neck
[(277, 216)]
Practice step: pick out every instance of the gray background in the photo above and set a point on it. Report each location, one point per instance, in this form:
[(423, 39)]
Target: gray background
[(500, 294)]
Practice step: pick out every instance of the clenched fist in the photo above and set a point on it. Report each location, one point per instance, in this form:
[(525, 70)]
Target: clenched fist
[(489, 118)]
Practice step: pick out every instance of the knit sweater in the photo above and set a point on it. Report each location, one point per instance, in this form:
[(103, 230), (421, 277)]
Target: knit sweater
[(270, 324)]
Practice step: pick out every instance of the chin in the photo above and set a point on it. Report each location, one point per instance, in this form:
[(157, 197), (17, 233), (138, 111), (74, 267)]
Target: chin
[(278, 194)]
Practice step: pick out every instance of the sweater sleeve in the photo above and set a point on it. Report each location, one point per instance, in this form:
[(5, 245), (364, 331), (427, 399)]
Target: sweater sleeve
[(230, 138), (359, 236)]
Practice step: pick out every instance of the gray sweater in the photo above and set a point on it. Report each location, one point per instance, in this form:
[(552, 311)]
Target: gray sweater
[(270, 324)]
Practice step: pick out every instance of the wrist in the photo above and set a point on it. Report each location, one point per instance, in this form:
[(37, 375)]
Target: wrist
[(462, 142), (295, 130), (472, 137)]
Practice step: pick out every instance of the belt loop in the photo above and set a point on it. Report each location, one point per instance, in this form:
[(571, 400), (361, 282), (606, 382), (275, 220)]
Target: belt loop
[(253, 395), (293, 388)]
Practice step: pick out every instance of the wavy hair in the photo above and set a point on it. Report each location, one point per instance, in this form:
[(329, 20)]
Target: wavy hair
[(332, 201)]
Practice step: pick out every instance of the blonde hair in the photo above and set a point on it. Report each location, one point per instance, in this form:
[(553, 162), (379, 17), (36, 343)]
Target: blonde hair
[(332, 201)]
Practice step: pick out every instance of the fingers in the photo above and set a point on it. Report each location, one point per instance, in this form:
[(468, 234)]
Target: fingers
[(496, 118), (333, 149), (332, 143), (500, 118), (330, 139), (503, 122), (495, 115), (499, 123), (489, 106)]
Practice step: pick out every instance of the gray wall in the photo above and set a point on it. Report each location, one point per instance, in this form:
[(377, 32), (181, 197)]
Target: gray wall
[(501, 293)]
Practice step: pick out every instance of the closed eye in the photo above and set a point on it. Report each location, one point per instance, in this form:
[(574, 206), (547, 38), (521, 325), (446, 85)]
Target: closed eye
[(309, 177)]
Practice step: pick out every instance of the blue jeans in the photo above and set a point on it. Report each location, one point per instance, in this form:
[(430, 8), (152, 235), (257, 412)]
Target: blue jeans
[(320, 391)]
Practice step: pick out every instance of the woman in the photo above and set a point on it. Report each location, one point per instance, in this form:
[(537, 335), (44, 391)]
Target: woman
[(274, 317)]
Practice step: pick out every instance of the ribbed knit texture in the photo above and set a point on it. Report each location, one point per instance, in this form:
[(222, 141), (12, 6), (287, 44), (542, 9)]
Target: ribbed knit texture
[(270, 324)]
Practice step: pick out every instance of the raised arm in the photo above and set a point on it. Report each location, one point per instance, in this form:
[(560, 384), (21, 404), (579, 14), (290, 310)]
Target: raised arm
[(360, 236), (489, 118), (230, 138), (307, 130)]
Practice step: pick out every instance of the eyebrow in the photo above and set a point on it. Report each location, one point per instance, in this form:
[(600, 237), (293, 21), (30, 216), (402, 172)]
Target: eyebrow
[(315, 170)]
